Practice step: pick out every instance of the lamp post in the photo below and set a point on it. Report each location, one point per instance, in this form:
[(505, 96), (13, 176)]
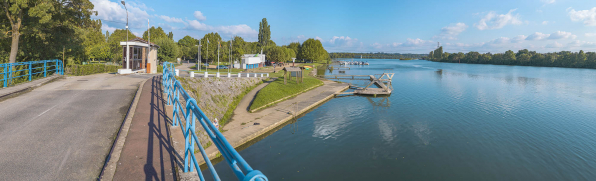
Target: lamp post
[(127, 48), (199, 56)]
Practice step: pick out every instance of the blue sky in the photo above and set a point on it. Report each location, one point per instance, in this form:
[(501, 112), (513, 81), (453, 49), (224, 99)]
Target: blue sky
[(374, 26)]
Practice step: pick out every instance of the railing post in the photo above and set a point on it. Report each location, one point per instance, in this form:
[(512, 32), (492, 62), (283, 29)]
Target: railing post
[(30, 73), (45, 71), (5, 77), (9, 74)]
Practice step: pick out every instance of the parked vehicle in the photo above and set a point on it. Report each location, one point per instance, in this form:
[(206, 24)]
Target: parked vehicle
[(222, 67)]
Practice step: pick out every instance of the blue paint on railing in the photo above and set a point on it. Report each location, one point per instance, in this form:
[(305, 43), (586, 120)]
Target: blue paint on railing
[(11, 70), (174, 90)]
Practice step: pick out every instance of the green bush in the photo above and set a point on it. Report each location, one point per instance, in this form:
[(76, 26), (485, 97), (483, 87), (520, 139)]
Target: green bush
[(80, 70)]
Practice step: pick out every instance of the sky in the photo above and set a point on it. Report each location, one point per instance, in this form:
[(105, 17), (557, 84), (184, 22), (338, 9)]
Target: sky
[(392, 26)]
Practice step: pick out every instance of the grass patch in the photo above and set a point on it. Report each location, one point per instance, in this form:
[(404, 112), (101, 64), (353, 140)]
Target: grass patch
[(276, 90), (221, 71)]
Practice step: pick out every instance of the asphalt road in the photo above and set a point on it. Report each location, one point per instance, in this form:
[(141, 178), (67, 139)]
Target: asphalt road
[(63, 130)]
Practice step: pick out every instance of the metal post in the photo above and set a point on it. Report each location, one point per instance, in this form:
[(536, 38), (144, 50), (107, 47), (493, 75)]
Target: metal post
[(44, 68), (127, 48), (30, 73), (5, 77)]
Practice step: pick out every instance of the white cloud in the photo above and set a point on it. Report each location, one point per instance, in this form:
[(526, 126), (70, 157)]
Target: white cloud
[(590, 34), (519, 38), (554, 45), (138, 34), (544, 22), (500, 40), (547, 1), (377, 45), (417, 42), (107, 28), (588, 16), (113, 11), (581, 44), (199, 16), (171, 19), (319, 38), (395, 44), (343, 41), (241, 30), (561, 35), (493, 20), (537, 36), (451, 32)]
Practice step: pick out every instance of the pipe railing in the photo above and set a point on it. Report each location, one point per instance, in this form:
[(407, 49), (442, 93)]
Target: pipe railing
[(191, 114), (11, 71)]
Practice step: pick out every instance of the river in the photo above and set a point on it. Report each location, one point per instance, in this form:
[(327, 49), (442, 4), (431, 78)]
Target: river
[(443, 121)]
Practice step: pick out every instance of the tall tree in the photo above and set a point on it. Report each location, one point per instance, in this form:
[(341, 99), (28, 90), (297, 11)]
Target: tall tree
[(187, 47), (237, 48), (156, 33), (116, 37), (264, 32), (171, 35)]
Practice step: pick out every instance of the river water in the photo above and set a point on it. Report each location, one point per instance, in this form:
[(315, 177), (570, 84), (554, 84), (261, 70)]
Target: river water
[(443, 121)]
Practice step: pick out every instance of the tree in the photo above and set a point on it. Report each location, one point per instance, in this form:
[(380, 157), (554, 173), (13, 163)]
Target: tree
[(107, 36), (45, 22), (313, 50), (168, 49), (209, 50), (156, 33), (187, 46), (295, 46), (237, 48), (116, 37), (276, 54), (171, 35), (264, 32)]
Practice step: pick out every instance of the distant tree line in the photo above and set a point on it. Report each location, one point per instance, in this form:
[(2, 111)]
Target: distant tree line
[(378, 55), (523, 57)]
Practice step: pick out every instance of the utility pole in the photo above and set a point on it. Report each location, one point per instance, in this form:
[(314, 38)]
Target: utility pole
[(127, 48), (218, 45)]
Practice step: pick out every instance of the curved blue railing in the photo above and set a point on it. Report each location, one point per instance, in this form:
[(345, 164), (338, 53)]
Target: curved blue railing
[(10, 71), (174, 90)]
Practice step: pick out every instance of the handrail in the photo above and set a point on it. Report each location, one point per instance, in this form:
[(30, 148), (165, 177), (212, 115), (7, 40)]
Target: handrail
[(11, 71), (191, 113)]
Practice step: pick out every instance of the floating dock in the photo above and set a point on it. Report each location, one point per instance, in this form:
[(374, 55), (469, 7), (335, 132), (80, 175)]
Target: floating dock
[(383, 83)]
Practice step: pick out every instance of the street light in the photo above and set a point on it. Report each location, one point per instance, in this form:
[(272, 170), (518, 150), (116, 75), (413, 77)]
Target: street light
[(199, 56), (127, 48)]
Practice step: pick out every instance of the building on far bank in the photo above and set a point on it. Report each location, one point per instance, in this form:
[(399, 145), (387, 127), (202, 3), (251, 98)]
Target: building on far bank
[(250, 61), (142, 56)]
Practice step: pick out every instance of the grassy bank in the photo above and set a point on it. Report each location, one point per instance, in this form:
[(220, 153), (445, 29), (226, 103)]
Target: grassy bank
[(277, 91), (80, 70)]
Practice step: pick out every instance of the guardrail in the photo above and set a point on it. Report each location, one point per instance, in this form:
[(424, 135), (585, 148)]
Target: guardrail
[(12, 71), (174, 90)]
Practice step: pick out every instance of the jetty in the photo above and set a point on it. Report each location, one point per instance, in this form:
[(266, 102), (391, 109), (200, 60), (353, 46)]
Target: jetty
[(381, 81)]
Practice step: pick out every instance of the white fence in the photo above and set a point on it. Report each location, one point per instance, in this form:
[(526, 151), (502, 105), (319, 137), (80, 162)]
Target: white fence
[(205, 74)]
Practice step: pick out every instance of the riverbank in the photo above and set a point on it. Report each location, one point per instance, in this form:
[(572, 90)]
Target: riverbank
[(244, 126)]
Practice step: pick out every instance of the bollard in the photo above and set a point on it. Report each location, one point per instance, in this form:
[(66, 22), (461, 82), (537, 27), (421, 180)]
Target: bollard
[(247, 74), (177, 72), (192, 74), (229, 75), (206, 74), (261, 75), (267, 74), (239, 75), (255, 74), (217, 75)]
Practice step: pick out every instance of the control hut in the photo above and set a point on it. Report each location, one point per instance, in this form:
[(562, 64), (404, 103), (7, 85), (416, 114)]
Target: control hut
[(293, 71), (142, 55)]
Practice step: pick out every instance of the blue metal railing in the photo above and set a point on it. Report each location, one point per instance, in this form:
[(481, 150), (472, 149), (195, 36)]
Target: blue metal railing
[(174, 90), (11, 71)]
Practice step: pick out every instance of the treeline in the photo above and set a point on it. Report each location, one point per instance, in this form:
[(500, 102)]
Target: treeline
[(523, 57), (311, 49), (378, 55), (60, 30)]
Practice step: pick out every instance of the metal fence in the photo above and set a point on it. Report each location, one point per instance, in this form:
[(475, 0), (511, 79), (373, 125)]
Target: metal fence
[(191, 113), (14, 73)]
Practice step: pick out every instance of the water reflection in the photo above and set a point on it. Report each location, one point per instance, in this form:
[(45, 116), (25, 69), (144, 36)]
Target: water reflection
[(422, 131)]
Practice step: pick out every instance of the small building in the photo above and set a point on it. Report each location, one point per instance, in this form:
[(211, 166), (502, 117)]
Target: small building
[(290, 72), (142, 56), (250, 61)]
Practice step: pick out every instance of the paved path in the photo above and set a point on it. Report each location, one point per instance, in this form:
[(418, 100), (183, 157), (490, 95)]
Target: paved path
[(147, 154), (64, 129)]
